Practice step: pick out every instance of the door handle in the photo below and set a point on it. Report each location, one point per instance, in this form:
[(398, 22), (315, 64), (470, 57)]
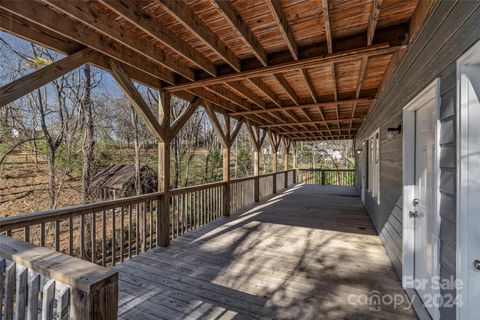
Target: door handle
[(476, 264), (413, 214), (415, 202)]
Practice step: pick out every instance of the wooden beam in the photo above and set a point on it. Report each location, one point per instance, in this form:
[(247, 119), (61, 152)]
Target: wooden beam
[(265, 89), (361, 76), (372, 21), (178, 124), (20, 87), (243, 91), (191, 21), (92, 17), (308, 122), (326, 21), (282, 22), (216, 124), (236, 130), (286, 86), (349, 55), (229, 13), (163, 228), (311, 87), (136, 100), (226, 154), (38, 14), (130, 11), (303, 106)]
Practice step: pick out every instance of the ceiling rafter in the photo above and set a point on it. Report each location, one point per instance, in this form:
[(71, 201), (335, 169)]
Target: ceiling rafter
[(284, 26), (372, 21), (344, 56), (361, 76), (234, 19), (328, 29), (38, 14), (129, 11), (93, 18), (307, 122), (313, 93), (190, 20)]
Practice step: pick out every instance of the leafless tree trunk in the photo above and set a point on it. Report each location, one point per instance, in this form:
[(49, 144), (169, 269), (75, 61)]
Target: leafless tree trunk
[(136, 145), (88, 139)]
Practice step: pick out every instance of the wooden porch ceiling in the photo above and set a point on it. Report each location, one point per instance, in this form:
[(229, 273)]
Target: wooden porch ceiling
[(307, 70)]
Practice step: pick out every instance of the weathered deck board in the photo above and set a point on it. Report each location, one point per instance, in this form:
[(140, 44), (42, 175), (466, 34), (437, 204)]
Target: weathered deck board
[(300, 255)]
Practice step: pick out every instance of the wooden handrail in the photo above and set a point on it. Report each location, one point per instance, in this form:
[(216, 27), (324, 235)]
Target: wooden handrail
[(196, 188), (93, 289), (28, 219), (333, 170)]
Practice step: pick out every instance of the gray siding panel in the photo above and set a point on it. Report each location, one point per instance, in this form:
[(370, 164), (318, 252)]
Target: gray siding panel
[(447, 34)]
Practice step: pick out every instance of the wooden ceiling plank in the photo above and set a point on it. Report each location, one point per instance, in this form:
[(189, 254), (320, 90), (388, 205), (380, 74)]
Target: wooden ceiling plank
[(136, 100), (304, 106), (348, 55), (284, 26), (372, 21), (245, 92), (286, 86), (328, 29), (22, 86), (129, 11), (361, 76), (257, 82), (38, 14), (190, 20), (93, 18), (229, 13), (308, 122)]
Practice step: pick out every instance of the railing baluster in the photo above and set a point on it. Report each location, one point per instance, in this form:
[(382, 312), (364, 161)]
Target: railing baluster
[(129, 231), (104, 238), (144, 226), (70, 236), (82, 236), (94, 236), (122, 232), (113, 235), (150, 203), (137, 230), (57, 235)]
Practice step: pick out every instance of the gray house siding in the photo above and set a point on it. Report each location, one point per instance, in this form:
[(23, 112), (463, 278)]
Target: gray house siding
[(453, 27)]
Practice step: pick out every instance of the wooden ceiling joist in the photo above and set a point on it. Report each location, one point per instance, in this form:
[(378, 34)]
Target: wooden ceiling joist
[(308, 122), (326, 22), (130, 11), (373, 19), (233, 18), (190, 21), (20, 87), (304, 106), (38, 14), (349, 55), (284, 26), (93, 18)]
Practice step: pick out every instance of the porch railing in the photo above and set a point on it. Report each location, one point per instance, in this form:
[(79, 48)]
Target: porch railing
[(327, 177), (113, 231), (36, 282)]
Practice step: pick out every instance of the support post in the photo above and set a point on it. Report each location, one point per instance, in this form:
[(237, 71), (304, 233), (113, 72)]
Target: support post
[(163, 210), (226, 167), (287, 144), (294, 160), (256, 170)]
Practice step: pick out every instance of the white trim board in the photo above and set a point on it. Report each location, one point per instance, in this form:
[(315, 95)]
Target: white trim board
[(432, 91), (468, 175)]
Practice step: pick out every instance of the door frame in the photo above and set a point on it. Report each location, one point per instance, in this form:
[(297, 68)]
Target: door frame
[(363, 161), (431, 92), (464, 264)]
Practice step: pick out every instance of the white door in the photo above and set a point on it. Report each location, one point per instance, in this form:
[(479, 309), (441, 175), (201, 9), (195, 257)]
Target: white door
[(425, 257), (468, 190)]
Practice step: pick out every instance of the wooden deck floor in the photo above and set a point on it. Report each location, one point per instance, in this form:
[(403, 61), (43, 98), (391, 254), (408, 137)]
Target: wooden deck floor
[(310, 253)]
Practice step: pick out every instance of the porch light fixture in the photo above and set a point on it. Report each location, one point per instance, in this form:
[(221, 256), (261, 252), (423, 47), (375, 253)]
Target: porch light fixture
[(392, 132)]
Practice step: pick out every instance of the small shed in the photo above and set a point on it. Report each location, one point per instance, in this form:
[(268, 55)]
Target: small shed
[(118, 181)]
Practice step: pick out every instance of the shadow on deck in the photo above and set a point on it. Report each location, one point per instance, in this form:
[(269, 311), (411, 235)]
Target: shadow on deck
[(308, 253)]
